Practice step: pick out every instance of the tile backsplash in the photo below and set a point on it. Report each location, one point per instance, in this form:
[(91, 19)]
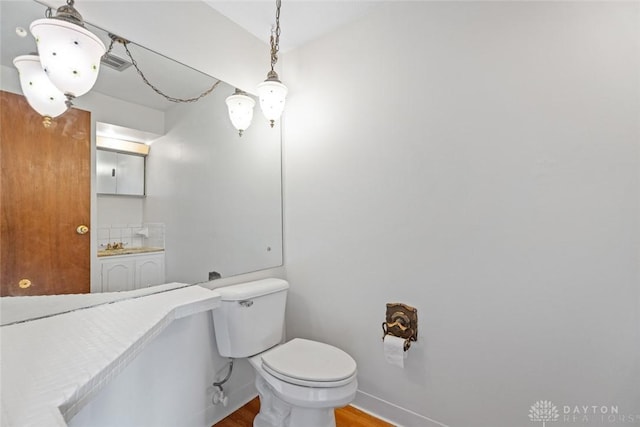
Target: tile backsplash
[(150, 234)]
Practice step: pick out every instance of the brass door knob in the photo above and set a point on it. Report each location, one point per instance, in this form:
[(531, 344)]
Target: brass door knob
[(82, 229), (24, 283)]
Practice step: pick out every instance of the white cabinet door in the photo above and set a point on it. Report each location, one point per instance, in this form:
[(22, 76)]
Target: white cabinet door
[(130, 175), (119, 173), (106, 163), (149, 270), (128, 272), (118, 274)]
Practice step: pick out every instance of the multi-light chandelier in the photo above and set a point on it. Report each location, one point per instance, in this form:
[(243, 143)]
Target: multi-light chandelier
[(68, 63), (69, 57)]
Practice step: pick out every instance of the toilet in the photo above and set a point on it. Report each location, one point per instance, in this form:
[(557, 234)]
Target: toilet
[(300, 382)]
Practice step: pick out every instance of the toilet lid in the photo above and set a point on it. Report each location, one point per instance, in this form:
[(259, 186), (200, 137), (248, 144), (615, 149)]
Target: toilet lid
[(303, 362)]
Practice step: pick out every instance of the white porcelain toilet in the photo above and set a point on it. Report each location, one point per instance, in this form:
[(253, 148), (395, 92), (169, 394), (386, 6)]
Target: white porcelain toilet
[(300, 382)]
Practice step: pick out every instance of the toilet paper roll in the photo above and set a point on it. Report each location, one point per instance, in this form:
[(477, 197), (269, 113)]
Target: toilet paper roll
[(394, 350)]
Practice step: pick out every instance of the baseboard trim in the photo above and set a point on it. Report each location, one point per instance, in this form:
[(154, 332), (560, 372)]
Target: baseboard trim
[(391, 413)]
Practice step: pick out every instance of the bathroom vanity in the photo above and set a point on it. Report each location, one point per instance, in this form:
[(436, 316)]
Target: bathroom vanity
[(129, 269)]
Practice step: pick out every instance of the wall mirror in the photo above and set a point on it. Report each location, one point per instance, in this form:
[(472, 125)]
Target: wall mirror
[(218, 196)]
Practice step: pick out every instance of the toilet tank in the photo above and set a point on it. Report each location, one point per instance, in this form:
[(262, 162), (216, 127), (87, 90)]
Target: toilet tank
[(250, 318)]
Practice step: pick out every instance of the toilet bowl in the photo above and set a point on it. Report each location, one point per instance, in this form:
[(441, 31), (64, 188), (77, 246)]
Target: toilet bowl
[(300, 382)]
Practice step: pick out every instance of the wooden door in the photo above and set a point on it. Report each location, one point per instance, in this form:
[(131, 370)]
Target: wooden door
[(45, 194)]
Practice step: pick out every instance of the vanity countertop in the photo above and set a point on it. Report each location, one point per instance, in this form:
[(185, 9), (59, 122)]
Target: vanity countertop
[(51, 367), (129, 251)]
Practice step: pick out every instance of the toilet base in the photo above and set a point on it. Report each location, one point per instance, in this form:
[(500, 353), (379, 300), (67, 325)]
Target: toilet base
[(275, 412)]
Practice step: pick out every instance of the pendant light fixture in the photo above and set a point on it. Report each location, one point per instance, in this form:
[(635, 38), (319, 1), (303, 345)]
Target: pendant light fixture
[(272, 93), (40, 93), (69, 60), (240, 110), (69, 53)]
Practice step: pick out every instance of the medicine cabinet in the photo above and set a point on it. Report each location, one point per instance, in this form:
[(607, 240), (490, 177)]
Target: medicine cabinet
[(120, 173)]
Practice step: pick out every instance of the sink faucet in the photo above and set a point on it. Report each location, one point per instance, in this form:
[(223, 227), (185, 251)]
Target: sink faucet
[(114, 245)]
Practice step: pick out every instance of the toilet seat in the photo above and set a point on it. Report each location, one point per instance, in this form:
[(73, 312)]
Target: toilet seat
[(310, 364)]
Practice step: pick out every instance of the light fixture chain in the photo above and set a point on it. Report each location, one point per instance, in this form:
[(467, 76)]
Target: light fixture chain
[(148, 83), (275, 41), (110, 46)]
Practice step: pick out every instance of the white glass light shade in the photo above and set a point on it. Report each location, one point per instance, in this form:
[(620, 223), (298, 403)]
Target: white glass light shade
[(69, 54), (41, 94), (272, 94), (240, 110)]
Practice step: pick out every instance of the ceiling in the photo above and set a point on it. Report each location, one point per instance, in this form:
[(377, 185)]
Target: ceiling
[(301, 22)]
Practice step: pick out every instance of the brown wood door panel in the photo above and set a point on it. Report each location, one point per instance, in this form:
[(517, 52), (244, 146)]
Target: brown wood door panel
[(45, 194)]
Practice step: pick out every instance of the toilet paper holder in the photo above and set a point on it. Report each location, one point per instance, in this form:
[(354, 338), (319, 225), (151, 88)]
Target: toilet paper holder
[(402, 322)]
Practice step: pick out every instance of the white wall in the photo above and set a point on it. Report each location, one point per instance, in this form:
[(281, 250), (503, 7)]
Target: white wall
[(480, 161), (218, 194), (119, 210)]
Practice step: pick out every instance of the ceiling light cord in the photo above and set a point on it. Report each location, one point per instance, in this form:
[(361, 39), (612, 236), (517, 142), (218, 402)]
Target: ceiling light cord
[(124, 43)]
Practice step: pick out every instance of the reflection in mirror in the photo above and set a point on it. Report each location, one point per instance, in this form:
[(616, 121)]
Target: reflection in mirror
[(218, 194), (215, 197)]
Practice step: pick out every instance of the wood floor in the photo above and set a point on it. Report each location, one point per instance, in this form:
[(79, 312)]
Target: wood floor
[(345, 417)]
